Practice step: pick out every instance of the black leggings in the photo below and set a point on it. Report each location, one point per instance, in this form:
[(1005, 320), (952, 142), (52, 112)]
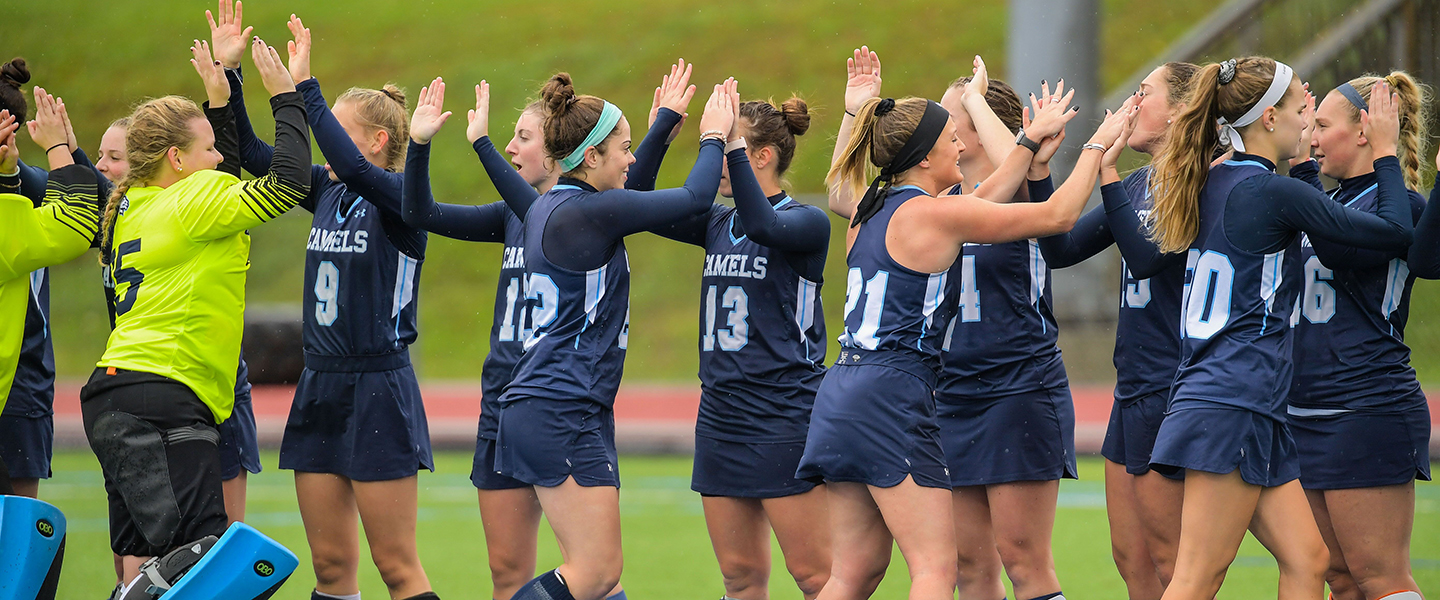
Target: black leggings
[(157, 444)]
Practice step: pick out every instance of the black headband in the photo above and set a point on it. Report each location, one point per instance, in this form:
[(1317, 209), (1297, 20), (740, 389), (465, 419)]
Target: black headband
[(1353, 95), (915, 150)]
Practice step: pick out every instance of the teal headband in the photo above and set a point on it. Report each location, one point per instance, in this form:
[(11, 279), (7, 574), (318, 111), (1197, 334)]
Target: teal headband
[(609, 117)]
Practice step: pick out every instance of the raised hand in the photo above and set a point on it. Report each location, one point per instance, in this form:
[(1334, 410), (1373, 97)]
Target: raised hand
[(299, 49), (733, 89), (69, 129), (674, 93), (1113, 127), (272, 72), (48, 128), (430, 114), (863, 79), (719, 114), (1302, 152), (9, 153), (1381, 124), (1113, 151), (979, 79), (1051, 113), (217, 88), (479, 116), (227, 34)]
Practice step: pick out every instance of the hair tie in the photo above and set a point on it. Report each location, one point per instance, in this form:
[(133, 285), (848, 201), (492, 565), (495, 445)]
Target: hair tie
[(885, 107), (1227, 71)]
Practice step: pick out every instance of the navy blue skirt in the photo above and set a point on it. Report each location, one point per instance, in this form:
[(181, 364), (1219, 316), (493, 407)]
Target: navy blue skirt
[(543, 442), (239, 448), (1130, 438), (1361, 449), (367, 426), (26, 444), (747, 469), (1029, 436), (1215, 438), (874, 423), (482, 471)]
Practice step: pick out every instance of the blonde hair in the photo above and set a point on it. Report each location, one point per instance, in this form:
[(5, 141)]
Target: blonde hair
[(152, 130), (873, 143), (1413, 120), (383, 109), (1182, 165)]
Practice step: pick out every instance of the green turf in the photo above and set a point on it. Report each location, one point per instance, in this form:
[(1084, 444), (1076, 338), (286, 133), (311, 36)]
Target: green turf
[(667, 552), (110, 55)]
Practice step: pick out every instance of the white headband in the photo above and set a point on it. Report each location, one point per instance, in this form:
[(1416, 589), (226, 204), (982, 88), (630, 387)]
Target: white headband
[(1278, 86)]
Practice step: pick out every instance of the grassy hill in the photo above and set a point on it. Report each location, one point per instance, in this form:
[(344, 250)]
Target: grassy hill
[(108, 56)]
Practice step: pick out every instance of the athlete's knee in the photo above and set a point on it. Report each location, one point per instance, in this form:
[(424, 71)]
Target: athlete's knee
[(744, 575), (509, 572), (593, 577), (397, 570), (1305, 560), (333, 566), (810, 578), (1026, 561)]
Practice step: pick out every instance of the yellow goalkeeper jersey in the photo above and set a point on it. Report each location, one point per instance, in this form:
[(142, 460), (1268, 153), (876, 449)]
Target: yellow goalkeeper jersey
[(179, 260), (31, 238)]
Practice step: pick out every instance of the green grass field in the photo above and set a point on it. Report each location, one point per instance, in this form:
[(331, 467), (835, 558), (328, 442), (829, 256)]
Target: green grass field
[(667, 552)]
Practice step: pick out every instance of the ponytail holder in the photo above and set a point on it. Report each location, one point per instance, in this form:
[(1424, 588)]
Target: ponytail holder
[(910, 154), (1227, 72), (1353, 95), (885, 107), (609, 118)]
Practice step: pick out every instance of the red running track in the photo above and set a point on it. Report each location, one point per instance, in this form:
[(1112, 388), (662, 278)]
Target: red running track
[(648, 418)]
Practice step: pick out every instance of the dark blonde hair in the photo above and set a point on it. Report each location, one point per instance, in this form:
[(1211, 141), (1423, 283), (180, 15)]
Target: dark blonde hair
[(1003, 101), (154, 128), (873, 143), (1178, 76), (1182, 165), (1413, 120), (383, 109), (569, 118), (766, 124)]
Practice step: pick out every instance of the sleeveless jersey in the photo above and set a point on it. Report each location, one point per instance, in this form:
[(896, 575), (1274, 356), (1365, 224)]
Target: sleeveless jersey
[(1350, 351), (762, 337), (887, 306), (574, 342), (360, 289), (1147, 335), (510, 322), (1236, 338)]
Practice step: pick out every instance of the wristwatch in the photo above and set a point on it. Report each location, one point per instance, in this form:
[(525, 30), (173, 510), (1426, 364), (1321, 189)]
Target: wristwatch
[(1025, 141)]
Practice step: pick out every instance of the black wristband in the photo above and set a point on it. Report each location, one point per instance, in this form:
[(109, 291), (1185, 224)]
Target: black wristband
[(48, 150), (1024, 140), (847, 111)]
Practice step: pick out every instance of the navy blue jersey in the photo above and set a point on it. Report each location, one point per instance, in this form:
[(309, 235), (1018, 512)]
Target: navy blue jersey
[(574, 342), (1425, 252), (1236, 345), (360, 288), (762, 336), (1001, 339), (1244, 276), (1147, 334), (32, 394), (1350, 351), (887, 306), (362, 262), (509, 325)]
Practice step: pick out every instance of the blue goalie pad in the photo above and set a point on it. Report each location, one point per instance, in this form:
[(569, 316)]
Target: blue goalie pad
[(243, 565), (32, 539)]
